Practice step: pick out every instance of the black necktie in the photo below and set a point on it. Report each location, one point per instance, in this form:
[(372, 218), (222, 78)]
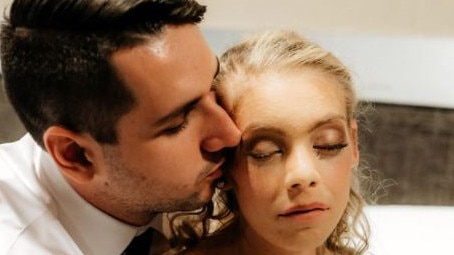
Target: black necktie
[(141, 244)]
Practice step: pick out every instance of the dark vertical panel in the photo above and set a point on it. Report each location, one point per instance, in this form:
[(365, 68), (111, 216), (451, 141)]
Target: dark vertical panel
[(10, 126), (415, 147)]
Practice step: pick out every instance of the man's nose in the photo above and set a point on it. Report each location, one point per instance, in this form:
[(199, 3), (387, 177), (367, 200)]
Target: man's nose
[(221, 131)]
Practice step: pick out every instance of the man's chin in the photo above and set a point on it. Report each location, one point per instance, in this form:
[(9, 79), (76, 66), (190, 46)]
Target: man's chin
[(193, 202), (205, 197), (197, 200)]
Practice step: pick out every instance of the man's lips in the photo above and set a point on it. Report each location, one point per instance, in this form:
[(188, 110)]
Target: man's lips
[(216, 172), (303, 209)]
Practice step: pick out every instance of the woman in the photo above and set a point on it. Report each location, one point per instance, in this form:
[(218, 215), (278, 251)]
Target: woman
[(292, 187)]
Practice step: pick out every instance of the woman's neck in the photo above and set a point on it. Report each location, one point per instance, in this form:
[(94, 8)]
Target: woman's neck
[(241, 240), (249, 242)]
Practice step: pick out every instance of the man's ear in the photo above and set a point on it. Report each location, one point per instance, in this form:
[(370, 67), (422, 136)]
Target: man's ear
[(72, 152)]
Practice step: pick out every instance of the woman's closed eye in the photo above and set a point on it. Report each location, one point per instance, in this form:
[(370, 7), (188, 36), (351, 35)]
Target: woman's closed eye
[(330, 140), (326, 150), (263, 156), (263, 151)]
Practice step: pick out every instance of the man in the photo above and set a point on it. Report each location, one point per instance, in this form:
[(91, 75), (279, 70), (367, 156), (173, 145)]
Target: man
[(123, 124)]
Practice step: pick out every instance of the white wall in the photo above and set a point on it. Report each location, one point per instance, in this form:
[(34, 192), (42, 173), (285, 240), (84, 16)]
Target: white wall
[(370, 17), (412, 230), (389, 69), (401, 51)]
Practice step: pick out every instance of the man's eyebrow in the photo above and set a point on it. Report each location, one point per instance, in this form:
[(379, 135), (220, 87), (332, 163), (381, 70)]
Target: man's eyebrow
[(186, 107), (176, 113)]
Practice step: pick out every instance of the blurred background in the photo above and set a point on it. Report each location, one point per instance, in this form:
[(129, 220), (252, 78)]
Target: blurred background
[(401, 53)]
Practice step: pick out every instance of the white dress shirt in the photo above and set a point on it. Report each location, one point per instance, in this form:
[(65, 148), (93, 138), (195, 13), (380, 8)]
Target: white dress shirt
[(41, 214)]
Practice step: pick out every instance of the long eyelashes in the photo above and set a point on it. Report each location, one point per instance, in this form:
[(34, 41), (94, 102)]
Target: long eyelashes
[(177, 129), (329, 150), (323, 150), (264, 156), (330, 147), (182, 124)]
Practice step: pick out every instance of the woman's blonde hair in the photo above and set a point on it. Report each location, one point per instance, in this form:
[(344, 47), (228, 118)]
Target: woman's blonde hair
[(281, 51)]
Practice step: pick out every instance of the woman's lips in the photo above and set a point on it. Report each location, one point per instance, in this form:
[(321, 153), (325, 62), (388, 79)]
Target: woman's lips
[(304, 209)]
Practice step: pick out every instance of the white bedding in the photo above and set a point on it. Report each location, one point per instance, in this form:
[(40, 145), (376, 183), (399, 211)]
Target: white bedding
[(412, 230)]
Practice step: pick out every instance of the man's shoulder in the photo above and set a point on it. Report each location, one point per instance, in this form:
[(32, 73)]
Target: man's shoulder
[(22, 199), (32, 237), (19, 174), (18, 155)]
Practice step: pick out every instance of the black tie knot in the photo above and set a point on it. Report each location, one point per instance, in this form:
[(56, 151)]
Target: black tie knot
[(141, 244)]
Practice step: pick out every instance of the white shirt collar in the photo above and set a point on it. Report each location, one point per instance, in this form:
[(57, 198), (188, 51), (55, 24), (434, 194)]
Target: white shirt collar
[(94, 231)]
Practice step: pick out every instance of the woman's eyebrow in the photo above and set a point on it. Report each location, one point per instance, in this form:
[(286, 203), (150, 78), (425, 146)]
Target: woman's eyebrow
[(263, 129), (326, 120)]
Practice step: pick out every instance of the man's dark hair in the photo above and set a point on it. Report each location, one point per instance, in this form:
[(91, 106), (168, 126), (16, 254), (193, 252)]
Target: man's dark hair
[(55, 57)]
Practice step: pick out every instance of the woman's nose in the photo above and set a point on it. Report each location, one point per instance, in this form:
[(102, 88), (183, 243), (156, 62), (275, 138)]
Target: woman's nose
[(301, 171)]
